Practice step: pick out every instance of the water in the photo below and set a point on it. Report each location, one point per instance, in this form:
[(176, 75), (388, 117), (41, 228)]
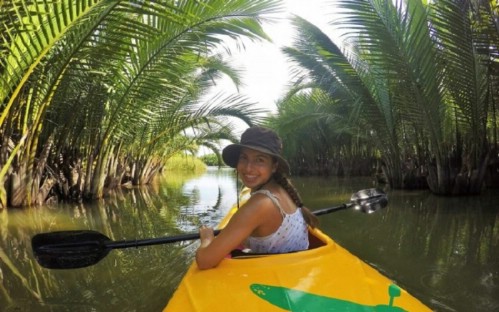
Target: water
[(443, 250)]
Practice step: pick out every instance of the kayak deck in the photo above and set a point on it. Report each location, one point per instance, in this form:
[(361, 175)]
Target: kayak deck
[(324, 278)]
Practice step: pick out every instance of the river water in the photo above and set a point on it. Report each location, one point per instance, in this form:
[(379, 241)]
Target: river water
[(443, 250)]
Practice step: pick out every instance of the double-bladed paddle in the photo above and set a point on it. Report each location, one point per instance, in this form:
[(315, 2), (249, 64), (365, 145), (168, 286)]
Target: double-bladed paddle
[(82, 248)]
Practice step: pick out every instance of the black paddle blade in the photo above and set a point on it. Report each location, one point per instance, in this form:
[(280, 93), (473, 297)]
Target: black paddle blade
[(69, 249), (369, 200)]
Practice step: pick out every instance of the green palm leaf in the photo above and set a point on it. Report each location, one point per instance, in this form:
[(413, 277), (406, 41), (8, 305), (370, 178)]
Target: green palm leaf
[(96, 75)]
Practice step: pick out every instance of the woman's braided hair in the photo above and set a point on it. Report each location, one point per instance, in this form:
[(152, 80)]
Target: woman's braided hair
[(283, 181)]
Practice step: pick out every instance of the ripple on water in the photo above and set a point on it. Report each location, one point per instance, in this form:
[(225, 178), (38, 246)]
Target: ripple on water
[(480, 293)]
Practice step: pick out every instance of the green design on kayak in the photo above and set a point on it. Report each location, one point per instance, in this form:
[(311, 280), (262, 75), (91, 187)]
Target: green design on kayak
[(296, 300)]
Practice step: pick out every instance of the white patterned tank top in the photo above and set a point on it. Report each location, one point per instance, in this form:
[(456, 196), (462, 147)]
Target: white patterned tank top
[(292, 235)]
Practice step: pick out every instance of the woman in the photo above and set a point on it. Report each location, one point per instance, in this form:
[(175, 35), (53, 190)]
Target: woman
[(273, 220)]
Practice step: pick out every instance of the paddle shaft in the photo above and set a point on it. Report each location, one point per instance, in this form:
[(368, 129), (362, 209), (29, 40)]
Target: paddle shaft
[(103, 242), (153, 241), (331, 209), (193, 236)]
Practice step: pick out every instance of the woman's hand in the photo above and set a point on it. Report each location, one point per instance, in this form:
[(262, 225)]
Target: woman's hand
[(206, 235), (204, 258)]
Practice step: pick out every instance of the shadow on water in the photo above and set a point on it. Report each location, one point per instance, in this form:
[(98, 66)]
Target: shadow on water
[(443, 250)]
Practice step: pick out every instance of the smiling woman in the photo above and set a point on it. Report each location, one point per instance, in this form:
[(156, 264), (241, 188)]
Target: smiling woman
[(273, 219)]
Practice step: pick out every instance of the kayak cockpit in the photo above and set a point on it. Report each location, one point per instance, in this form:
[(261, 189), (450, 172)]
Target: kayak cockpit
[(314, 241)]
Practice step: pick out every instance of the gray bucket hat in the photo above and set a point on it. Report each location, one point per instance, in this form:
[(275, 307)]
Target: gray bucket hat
[(259, 139)]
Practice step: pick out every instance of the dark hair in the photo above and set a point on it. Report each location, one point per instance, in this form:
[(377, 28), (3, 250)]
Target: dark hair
[(283, 181)]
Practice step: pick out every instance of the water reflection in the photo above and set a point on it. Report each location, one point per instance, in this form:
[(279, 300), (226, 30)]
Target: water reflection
[(140, 279), (443, 250), (211, 200)]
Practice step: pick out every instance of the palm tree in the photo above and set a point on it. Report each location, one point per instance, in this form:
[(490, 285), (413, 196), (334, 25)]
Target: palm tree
[(84, 82), (415, 80), (358, 111), (318, 139)]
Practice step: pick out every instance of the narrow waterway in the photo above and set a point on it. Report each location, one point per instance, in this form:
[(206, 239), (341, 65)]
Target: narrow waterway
[(443, 250)]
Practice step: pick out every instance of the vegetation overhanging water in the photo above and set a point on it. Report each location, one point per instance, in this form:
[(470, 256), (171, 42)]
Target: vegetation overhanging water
[(443, 250)]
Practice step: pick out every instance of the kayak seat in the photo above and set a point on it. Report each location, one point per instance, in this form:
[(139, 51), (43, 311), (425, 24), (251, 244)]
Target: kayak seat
[(313, 242)]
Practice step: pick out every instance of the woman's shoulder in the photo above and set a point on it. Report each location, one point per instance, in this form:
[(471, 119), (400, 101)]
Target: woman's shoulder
[(254, 212), (259, 197), (258, 202)]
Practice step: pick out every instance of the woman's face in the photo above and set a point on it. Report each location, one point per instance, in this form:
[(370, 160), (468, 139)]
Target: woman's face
[(255, 168)]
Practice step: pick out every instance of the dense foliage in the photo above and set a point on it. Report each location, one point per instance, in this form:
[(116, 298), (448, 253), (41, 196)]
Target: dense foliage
[(412, 82), (97, 92), (212, 160), (184, 163)]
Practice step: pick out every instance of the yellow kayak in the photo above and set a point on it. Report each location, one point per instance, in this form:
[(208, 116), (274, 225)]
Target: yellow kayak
[(324, 278)]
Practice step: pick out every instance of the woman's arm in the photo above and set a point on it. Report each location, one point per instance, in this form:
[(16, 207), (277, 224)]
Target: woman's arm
[(214, 249)]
